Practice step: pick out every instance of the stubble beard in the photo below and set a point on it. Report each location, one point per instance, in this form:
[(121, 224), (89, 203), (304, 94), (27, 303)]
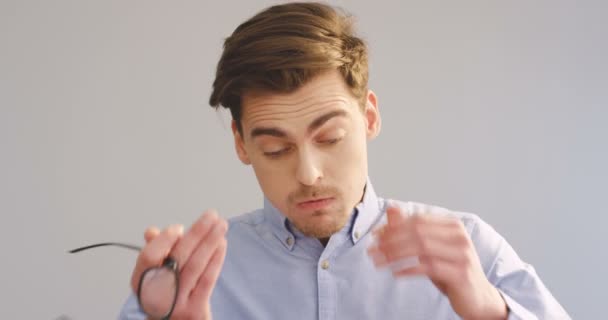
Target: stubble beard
[(322, 223)]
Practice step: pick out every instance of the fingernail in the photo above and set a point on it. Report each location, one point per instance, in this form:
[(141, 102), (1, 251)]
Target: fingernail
[(177, 229)]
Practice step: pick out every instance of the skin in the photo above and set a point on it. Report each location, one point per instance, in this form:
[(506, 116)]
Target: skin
[(309, 145), (446, 256), (308, 150)]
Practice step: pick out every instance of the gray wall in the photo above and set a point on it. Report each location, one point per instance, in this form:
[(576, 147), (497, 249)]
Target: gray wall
[(498, 108)]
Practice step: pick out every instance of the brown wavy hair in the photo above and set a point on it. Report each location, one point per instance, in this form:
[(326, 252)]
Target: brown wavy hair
[(283, 47)]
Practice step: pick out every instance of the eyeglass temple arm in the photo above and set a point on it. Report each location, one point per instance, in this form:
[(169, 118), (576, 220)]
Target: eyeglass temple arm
[(117, 244)]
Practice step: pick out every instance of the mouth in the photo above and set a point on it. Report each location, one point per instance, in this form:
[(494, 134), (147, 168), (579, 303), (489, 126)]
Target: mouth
[(315, 204)]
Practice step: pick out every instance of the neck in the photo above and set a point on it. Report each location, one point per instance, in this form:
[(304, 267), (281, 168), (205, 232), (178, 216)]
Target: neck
[(324, 241)]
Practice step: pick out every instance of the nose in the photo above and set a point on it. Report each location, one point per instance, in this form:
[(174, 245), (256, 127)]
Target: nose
[(308, 171)]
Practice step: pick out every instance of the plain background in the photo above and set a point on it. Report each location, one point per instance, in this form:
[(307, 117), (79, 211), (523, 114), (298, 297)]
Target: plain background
[(494, 107)]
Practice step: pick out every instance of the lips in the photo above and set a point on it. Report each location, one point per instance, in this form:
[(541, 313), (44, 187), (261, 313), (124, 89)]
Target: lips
[(315, 204)]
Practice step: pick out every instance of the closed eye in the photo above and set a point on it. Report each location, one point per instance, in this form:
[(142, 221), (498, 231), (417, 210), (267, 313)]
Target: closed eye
[(278, 153), (331, 141)]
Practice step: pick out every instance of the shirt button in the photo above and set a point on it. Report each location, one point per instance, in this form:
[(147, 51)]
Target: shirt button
[(357, 235), (289, 241), (325, 265)]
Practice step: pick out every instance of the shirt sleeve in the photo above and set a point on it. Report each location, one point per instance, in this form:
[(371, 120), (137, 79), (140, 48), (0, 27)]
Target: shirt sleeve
[(524, 293), (131, 311)]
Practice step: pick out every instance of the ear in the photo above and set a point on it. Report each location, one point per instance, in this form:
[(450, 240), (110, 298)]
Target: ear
[(239, 144), (371, 114)]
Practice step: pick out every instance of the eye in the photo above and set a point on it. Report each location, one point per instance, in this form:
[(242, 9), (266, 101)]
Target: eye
[(278, 153), (330, 141)]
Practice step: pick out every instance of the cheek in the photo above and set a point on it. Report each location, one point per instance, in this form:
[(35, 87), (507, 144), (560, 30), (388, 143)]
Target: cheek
[(350, 155), (273, 177), (349, 169)]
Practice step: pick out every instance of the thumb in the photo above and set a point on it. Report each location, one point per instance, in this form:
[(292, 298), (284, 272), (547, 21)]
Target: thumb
[(151, 233)]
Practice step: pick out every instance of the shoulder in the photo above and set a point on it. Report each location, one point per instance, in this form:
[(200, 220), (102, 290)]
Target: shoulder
[(247, 219), (245, 222)]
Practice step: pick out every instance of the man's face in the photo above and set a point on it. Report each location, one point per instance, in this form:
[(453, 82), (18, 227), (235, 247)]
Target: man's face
[(309, 150)]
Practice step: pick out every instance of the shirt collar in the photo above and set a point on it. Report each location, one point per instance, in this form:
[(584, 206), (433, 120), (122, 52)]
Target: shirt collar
[(367, 212), (362, 219), (278, 224)]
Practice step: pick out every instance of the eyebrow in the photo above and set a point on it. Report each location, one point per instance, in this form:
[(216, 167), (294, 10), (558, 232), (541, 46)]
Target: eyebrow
[(315, 124)]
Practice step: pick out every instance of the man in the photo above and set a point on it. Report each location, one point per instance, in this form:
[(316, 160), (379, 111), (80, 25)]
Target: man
[(325, 246)]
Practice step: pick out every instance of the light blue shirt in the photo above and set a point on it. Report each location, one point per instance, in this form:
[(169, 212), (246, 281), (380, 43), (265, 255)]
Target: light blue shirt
[(272, 271)]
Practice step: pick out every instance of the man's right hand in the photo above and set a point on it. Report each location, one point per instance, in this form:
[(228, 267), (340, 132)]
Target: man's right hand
[(199, 254)]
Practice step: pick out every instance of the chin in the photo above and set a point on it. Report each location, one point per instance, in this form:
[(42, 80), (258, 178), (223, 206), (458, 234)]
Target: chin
[(321, 224)]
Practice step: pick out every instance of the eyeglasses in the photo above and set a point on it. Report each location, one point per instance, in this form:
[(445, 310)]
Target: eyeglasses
[(158, 286)]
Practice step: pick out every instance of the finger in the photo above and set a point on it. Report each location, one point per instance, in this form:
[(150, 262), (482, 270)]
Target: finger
[(394, 215), (443, 272), (423, 237), (377, 256), (182, 251), (197, 305), (151, 233), (207, 281), (431, 249), (412, 271), (378, 231), (420, 270), (393, 249), (431, 220), (455, 248), (155, 252), (198, 261), (419, 227)]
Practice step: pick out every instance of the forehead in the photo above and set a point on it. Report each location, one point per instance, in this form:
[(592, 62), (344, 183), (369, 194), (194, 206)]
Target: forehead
[(325, 92)]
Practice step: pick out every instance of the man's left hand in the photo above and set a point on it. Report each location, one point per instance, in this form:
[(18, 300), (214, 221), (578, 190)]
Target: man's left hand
[(445, 254)]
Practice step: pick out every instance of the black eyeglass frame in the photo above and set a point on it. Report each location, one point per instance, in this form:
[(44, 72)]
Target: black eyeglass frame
[(168, 263)]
